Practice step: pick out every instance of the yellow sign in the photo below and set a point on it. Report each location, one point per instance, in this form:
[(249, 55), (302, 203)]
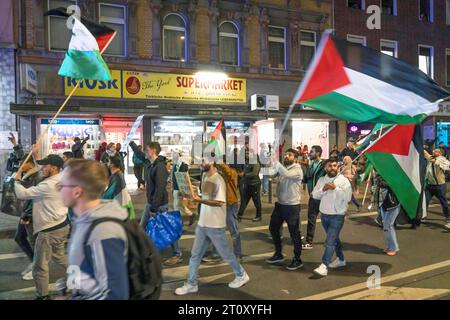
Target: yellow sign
[(95, 88), (163, 86)]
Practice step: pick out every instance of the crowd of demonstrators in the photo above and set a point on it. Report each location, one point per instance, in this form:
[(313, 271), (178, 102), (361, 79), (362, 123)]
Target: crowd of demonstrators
[(77, 148), (157, 197), (334, 192), (435, 184), (50, 222), (211, 229), (138, 168), (251, 185), (348, 170), (287, 208), (314, 172), (178, 165), (334, 153)]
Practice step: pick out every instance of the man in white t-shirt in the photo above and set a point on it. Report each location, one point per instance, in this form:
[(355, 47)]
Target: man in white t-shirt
[(211, 229)]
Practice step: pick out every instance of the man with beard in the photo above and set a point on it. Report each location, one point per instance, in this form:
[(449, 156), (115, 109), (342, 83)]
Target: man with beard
[(287, 208), (314, 172), (334, 192), (211, 229)]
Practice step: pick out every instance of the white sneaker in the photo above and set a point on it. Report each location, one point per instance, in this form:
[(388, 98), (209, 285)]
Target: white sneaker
[(185, 289), (322, 270), (337, 264), (28, 276), (27, 270), (239, 281), (447, 226)]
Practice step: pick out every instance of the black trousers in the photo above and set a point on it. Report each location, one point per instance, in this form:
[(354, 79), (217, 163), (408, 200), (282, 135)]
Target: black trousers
[(25, 239), (251, 192), (313, 212), (138, 174), (290, 214)]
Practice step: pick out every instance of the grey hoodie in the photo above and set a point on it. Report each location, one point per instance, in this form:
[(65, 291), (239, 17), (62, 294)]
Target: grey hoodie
[(99, 271)]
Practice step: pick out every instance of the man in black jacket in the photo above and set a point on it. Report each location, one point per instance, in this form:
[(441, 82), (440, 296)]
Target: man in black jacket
[(179, 166), (77, 148), (156, 176), (252, 185)]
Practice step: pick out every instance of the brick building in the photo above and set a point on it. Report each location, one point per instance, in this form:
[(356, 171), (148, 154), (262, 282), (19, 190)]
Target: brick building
[(264, 46), (416, 31)]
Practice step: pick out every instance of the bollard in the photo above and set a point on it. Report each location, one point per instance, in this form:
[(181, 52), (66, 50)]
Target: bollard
[(270, 190)]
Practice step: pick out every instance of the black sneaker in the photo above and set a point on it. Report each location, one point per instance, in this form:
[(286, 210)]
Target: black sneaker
[(47, 297), (191, 219), (295, 264), (256, 219), (275, 259)]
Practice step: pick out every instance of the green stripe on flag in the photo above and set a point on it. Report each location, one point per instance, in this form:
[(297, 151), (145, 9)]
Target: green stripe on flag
[(84, 65), (346, 108)]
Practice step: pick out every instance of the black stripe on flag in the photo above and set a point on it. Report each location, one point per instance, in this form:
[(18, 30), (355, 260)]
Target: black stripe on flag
[(388, 69)]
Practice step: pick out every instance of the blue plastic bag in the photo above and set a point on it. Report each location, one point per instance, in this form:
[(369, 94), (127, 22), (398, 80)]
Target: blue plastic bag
[(165, 228)]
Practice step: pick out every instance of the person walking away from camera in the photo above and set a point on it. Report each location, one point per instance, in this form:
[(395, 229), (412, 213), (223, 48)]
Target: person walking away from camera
[(24, 237), (77, 148), (97, 265), (138, 167), (211, 229), (122, 155), (157, 196), (334, 192), (252, 185), (348, 170), (50, 222), (287, 208), (315, 171), (389, 208), (435, 185), (178, 204), (100, 150)]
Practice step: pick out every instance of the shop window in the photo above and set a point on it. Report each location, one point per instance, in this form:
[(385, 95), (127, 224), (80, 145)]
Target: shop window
[(307, 48), (174, 38), (356, 4), (389, 47), (426, 10), (356, 39), (114, 16), (426, 60), (229, 44), (447, 62), (277, 47), (448, 11), (389, 7), (58, 33)]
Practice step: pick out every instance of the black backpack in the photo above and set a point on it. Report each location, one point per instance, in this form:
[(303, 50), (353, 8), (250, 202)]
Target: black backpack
[(144, 260)]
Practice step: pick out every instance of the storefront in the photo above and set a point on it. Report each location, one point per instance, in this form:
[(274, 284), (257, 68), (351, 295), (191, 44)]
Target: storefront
[(306, 132)]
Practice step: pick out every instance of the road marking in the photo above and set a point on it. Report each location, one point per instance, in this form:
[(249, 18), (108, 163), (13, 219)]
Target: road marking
[(7, 256), (363, 286), (397, 293), (24, 293)]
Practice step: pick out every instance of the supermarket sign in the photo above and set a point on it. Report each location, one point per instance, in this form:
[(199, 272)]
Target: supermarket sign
[(162, 86)]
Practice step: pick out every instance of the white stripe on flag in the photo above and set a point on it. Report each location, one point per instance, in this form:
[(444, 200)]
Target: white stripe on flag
[(411, 166)]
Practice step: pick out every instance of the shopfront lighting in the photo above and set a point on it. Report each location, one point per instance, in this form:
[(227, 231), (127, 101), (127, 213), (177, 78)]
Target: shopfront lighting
[(209, 75)]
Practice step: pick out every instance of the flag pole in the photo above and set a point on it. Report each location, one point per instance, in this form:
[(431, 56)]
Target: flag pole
[(370, 174), (61, 108)]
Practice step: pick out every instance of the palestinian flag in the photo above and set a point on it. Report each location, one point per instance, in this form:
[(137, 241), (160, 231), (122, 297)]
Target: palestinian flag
[(216, 141), (398, 157), (359, 84), (84, 56)]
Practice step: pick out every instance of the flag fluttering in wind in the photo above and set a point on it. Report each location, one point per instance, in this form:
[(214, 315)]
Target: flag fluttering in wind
[(216, 141), (359, 84), (83, 58), (398, 157)]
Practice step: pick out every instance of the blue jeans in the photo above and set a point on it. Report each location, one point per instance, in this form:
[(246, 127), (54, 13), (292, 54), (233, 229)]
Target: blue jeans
[(389, 217), (203, 237), (333, 225), (232, 224), (265, 184), (148, 214)]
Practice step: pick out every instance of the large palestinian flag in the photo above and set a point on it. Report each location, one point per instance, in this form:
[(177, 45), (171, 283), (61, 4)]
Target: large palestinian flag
[(359, 84), (84, 56), (399, 159)]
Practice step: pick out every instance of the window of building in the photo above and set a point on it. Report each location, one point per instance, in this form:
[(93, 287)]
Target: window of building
[(356, 39), (447, 66), (356, 4), (448, 11), (174, 38), (229, 44), (426, 60), (277, 47), (389, 47), (58, 33), (389, 7), (114, 16), (307, 48), (426, 10)]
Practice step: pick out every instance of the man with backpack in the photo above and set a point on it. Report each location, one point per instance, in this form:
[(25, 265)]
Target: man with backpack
[(109, 259)]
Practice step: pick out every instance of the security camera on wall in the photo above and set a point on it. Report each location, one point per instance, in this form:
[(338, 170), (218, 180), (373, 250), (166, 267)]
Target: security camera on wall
[(263, 102)]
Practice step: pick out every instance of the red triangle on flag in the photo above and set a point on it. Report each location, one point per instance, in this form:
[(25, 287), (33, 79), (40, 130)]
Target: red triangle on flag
[(395, 141), (328, 73), (217, 131)]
